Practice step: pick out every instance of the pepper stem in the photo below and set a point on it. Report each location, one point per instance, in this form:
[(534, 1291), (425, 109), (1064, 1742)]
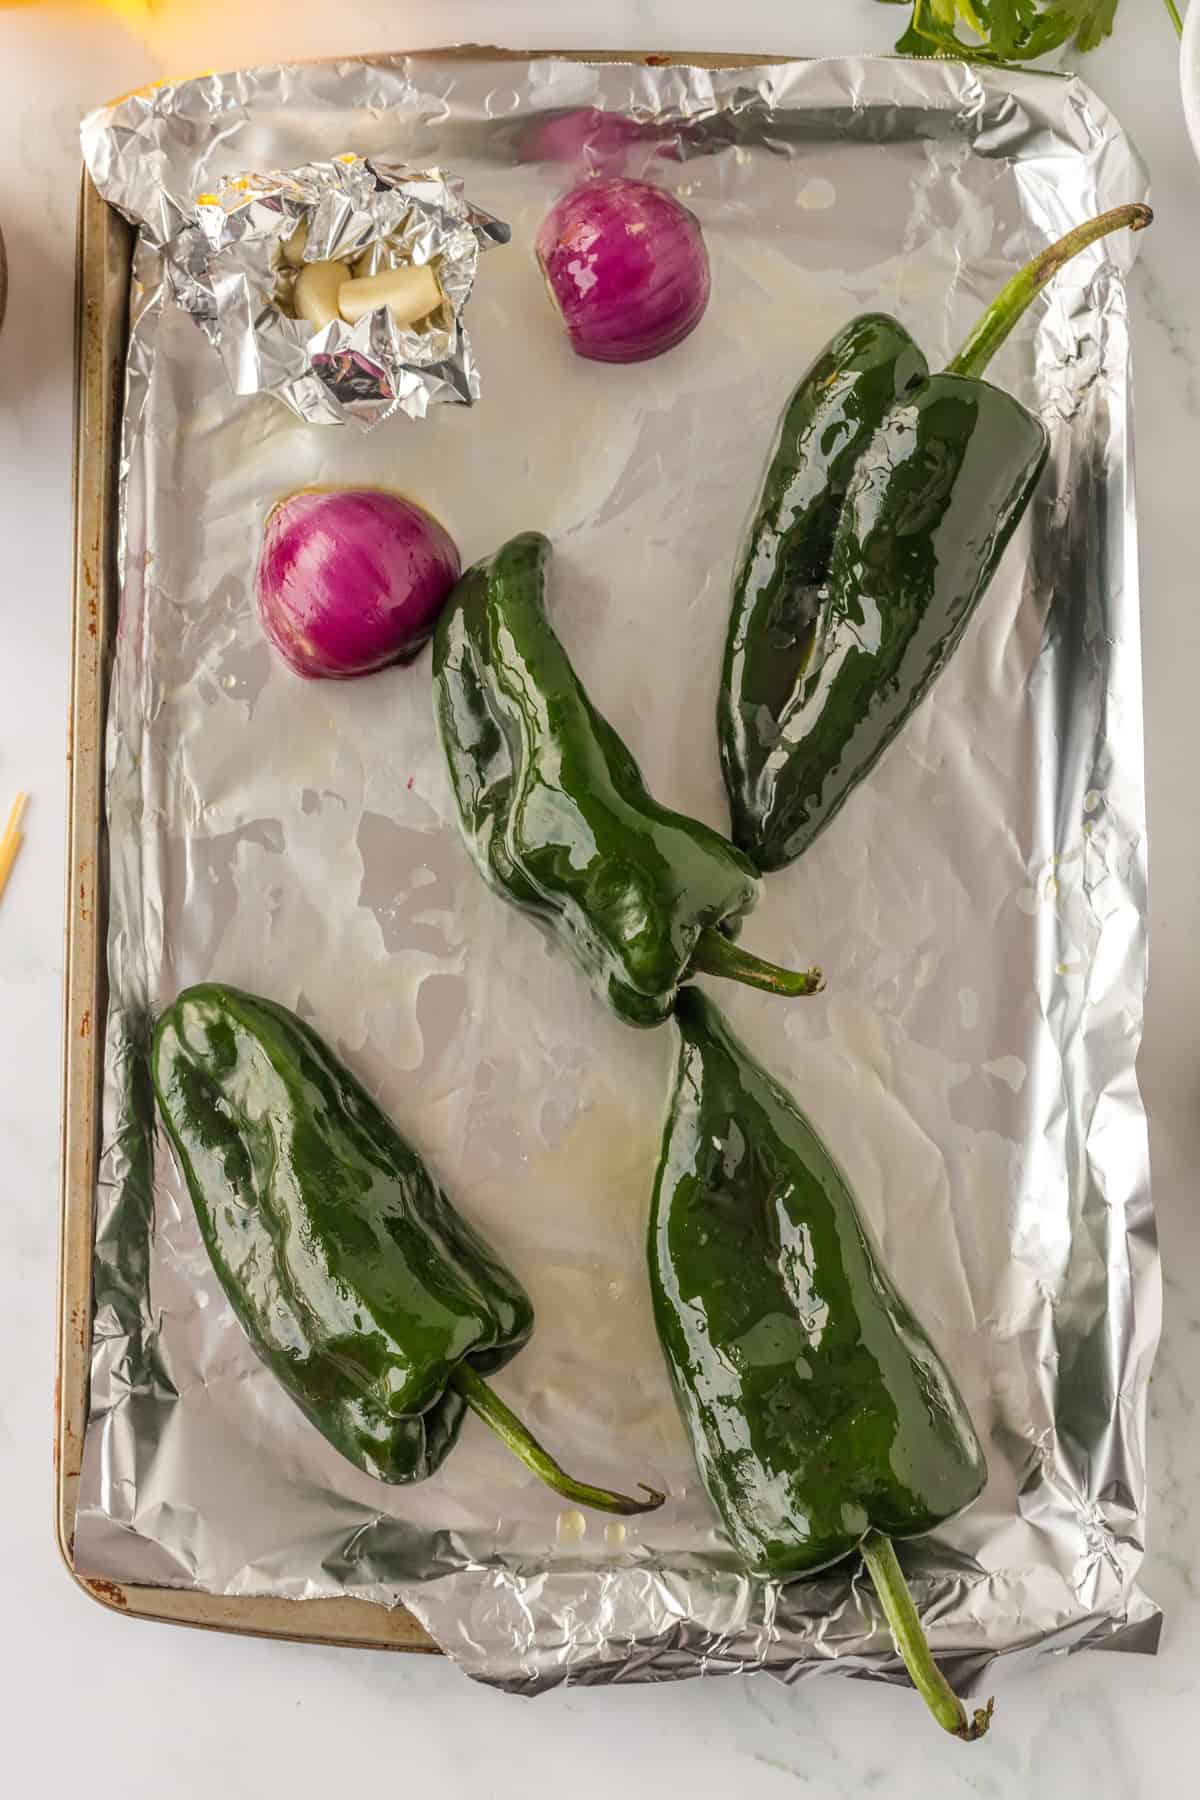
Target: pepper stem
[(715, 954), (888, 1578), (1018, 294), (509, 1429)]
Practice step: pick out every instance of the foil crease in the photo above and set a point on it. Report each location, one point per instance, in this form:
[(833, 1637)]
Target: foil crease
[(979, 906)]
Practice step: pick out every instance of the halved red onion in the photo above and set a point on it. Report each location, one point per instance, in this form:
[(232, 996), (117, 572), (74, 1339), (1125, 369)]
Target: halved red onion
[(352, 579), (626, 266)]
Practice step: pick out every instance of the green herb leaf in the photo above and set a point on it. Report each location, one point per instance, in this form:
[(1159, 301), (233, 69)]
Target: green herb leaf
[(1005, 30), (1091, 21)]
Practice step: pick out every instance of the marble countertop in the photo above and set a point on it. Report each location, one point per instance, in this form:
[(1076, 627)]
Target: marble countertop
[(136, 1709)]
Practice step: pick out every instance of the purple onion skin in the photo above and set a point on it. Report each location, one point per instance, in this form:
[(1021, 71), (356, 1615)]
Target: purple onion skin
[(626, 266), (351, 579)]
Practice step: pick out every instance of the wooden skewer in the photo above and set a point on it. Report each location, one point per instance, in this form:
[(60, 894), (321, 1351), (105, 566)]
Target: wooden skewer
[(12, 840), (14, 818)]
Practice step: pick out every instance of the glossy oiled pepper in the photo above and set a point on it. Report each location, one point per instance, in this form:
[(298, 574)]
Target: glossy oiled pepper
[(557, 817), (822, 1419), (377, 1307), (887, 505), (781, 581)]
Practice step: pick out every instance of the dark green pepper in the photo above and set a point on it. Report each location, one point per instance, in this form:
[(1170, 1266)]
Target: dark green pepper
[(374, 1304), (783, 575), (556, 815), (881, 521), (822, 1419)]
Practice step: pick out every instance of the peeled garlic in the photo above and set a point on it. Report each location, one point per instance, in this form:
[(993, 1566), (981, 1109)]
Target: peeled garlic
[(293, 248), (409, 294), (315, 295)]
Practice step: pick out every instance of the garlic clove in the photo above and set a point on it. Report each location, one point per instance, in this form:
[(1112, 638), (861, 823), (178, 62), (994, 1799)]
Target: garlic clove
[(293, 247), (409, 294), (315, 295)]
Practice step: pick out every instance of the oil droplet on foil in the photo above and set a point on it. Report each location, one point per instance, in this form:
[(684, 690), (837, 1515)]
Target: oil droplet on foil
[(1008, 1069), (926, 969), (1092, 799), (572, 1526), (817, 194), (614, 1534)]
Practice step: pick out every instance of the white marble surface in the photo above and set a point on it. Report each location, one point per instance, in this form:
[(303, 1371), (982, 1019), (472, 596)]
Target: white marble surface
[(90, 1703)]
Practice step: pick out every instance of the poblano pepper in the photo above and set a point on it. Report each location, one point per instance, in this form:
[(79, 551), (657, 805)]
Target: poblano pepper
[(822, 1419), (375, 1305), (557, 817), (887, 504)]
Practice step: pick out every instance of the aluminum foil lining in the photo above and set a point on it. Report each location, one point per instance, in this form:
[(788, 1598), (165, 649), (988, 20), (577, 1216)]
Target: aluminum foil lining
[(978, 905), (227, 265)]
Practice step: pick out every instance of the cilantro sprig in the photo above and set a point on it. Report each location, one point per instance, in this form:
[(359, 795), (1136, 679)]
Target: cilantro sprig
[(1009, 30)]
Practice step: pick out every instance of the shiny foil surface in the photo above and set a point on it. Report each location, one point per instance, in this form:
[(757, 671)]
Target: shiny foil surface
[(978, 905)]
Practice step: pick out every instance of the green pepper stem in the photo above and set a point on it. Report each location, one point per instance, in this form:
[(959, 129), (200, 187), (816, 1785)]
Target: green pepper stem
[(1018, 294), (1176, 21), (888, 1579), (715, 954), (509, 1429)]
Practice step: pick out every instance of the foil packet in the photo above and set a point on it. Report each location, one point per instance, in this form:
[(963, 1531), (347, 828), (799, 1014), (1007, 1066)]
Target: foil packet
[(230, 267), (978, 906)]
